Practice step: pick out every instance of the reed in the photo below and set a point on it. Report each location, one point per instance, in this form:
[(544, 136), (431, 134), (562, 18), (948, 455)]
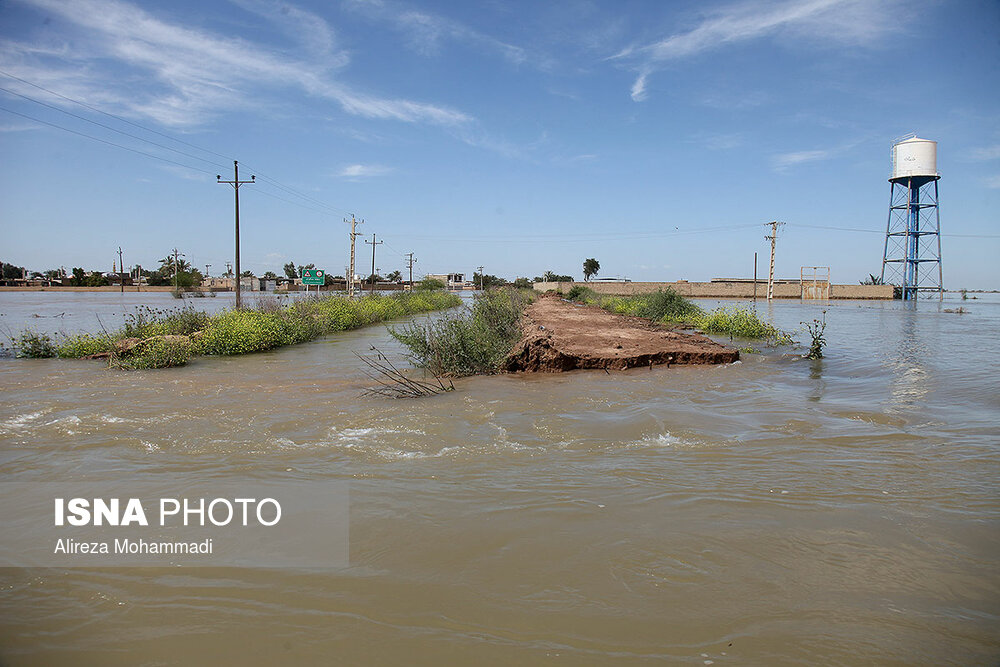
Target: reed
[(475, 341)]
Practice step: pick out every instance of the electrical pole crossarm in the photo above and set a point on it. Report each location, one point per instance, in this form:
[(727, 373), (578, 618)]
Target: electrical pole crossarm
[(236, 183)]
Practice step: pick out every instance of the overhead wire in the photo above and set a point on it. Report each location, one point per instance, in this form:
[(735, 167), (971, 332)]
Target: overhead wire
[(103, 141), (272, 181)]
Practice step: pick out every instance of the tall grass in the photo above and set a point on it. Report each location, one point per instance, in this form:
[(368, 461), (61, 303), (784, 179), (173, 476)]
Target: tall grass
[(171, 337), (661, 306), (741, 323), (475, 341), (668, 307)]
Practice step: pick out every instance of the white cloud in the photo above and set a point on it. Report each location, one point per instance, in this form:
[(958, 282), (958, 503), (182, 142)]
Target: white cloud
[(993, 182), (357, 172), (785, 160), (425, 32), (19, 127), (823, 22), (196, 73), (986, 153)]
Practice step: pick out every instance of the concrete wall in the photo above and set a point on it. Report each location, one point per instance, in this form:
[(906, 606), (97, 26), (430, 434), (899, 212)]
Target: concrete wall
[(723, 290)]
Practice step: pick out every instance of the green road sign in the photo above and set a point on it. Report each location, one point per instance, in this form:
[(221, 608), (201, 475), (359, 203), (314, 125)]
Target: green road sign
[(313, 277)]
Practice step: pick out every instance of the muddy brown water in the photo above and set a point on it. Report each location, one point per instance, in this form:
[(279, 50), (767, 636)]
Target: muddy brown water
[(775, 511)]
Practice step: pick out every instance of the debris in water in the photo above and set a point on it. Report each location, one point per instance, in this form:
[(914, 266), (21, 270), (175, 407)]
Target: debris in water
[(394, 383)]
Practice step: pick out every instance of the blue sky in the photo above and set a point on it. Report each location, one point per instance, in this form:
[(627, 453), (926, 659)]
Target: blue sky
[(658, 137)]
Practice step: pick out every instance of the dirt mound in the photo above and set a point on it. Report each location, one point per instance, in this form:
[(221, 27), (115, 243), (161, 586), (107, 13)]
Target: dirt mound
[(563, 336)]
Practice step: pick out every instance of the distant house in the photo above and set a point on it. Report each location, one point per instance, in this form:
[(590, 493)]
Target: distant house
[(451, 280)]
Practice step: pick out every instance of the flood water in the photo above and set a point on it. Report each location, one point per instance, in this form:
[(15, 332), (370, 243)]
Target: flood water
[(777, 511)]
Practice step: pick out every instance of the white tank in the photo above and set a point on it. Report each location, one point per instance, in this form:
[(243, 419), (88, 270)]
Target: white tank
[(914, 157)]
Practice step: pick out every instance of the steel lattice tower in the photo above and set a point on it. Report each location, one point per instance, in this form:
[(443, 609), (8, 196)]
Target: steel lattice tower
[(912, 254)]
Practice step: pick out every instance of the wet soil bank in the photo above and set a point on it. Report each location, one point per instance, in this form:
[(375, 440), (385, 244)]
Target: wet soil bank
[(562, 336)]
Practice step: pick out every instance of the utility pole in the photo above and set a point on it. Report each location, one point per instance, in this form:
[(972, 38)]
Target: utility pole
[(755, 277), (480, 279), (374, 243), (121, 267), (409, 264), (770, 276), (229, 268), (354, 235), (236, 183), (175, 267), (207, 267)]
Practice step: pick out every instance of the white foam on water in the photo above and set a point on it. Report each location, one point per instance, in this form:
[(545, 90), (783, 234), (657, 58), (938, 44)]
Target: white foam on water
[(22, 420)]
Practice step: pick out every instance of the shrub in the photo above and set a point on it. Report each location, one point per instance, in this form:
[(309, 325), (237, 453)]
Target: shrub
[(145, 322), (581, 294), (816, 331), (474, 341), (428, 284), (84, 345), (667, 305), (660, 306), (244, 331), (270, 325), (741, 323), (35, 345), (158, 352)]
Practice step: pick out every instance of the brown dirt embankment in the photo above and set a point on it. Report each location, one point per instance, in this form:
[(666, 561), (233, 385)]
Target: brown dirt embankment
[(563, 336)]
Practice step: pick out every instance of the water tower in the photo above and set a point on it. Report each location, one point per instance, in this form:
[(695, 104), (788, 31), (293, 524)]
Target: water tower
[(912, 254)]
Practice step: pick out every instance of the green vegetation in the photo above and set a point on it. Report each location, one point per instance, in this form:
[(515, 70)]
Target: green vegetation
[(487, 281), (34, 345), (155, 338), (475, 341), (816, 331), (660, 306), (590, 268), (552, 277), (156, 352), (741, 323), (668, 307), (84, 345), (428, 284)]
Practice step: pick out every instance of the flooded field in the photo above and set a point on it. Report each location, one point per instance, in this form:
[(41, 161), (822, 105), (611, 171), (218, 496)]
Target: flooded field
[(774, 511)]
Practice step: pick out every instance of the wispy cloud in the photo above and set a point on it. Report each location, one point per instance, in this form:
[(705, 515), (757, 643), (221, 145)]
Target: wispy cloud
[(822, 21), (993, 182), (196, 73), (358, 172), (19, 127), (785, 160), (720, 141), (425, 32), (986, 153)]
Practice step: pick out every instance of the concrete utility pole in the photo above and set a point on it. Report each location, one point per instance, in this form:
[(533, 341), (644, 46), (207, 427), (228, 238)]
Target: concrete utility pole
[(121, 267), (409, 264), (354, 235), (236, 183), (207, 267), (374, 243), (480, 279), (770, 276)]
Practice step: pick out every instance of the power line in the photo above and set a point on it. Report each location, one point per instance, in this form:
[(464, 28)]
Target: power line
[(274, 182), (108, 127), (111, 115), (104, 141), (876, 231)]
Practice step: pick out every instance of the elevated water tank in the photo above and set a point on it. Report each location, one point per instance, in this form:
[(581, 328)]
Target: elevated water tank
[(914, 157)]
